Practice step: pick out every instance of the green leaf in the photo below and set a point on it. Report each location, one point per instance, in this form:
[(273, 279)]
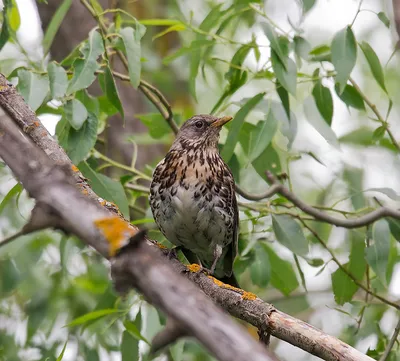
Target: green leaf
[(394, 225), (260, 268), (354, 179), (387, 192), (92, 316), (236, 126), (134, 331), (84, 69), (378, 134), (60, 357), (290, 234), (374, 64), (76, 113), (382, 17), (10, 276), (106, 188), (286, 74), (110, 89), (302, 47), (14, 19), (33, 87), (284, 97), (170, 29), (262, 135), (344, 55), (268, 160), (377, 254), (12, 192), (283, 276), (323, 99), (131, 39), (308, 5), (55, 24), (129, 347), (155, 123), (314, 117), (343, 286), (159, 22), (276, 45), (58, 80), (351, 97), (77, 143)]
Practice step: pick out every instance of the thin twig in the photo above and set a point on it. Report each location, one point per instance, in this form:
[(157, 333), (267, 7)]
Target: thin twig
[(321, 216), (377, 113), (11, 238), (344, 269), (390, 345)]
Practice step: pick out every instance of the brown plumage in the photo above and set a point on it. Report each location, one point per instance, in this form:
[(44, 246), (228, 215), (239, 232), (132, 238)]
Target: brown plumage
[(193, 200)]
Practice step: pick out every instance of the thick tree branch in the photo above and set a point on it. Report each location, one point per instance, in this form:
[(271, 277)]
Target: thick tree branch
[(144, 268)]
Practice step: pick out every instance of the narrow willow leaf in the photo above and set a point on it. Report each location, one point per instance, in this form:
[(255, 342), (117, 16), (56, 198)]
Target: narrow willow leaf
[(131, 39), (314, 117), (263, 134), (58, 80), (268, 160), (394, 226), (76, 113), (283, 277), (374, 64), (284, 97), (289, 233), (286, 74), (134, 331), (92, 316), (344, 55), (194, 45), (308, 5), (33, 87), (60, 357), (170, 29), (288, 124), (302, 47), (323, 99), (77, 143), (378, 134), (351, 97), (84, 69), (159, 22), (236, 126), (377, 254), (107, 84), (343, 286), (354, 179), (275, 43), (382, 17), (13, 192), (260, 268), (156, 124), (55, 24), (107, 188), (387, 192), (129, 347)]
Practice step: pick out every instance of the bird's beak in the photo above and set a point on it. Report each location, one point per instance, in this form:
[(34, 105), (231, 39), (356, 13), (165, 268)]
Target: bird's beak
[(221, 121)]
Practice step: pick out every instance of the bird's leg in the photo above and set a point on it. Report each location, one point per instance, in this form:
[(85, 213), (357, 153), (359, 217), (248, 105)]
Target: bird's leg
[(217, 256), (173, 252)]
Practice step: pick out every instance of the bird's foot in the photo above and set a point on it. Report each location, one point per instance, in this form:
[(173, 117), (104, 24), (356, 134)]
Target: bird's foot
[(173, 252)]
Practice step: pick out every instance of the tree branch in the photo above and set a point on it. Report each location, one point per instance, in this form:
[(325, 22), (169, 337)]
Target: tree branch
[(143, 267), (322, 216), (391, 343)]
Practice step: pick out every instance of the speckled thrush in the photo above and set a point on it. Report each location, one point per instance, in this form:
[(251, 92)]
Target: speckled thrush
[(192, 197)]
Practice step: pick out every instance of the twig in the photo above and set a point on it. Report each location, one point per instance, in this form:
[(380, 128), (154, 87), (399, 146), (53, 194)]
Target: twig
[(150, 91), (390, 345), (257, 197), (11, 238), (377, 113), (344, 269), (321, 216)]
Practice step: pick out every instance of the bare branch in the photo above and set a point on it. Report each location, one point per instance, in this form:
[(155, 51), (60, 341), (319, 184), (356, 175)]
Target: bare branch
[(322, 216), (391, 343), (172, 332)]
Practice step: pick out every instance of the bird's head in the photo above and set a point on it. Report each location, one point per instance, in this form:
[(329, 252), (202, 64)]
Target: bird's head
[(200, 131)]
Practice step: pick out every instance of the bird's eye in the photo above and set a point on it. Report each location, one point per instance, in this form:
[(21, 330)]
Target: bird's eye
[(199, 124)]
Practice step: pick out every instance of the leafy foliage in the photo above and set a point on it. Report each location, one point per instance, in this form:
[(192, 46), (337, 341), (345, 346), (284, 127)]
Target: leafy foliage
[(276, 81)]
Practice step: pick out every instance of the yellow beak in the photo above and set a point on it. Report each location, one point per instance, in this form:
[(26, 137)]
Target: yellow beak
[(221, 121)]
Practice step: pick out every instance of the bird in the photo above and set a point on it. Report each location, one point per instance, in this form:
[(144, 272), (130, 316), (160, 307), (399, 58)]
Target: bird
[(193, 200)]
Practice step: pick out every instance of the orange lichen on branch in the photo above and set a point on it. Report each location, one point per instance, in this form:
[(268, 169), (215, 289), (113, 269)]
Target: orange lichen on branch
[(36, 123), (116, 231), (249, 296), (245, 295), (74, 168), (194, 267)]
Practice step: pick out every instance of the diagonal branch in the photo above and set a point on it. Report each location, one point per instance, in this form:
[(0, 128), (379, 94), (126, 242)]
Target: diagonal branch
[(143, 267)]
